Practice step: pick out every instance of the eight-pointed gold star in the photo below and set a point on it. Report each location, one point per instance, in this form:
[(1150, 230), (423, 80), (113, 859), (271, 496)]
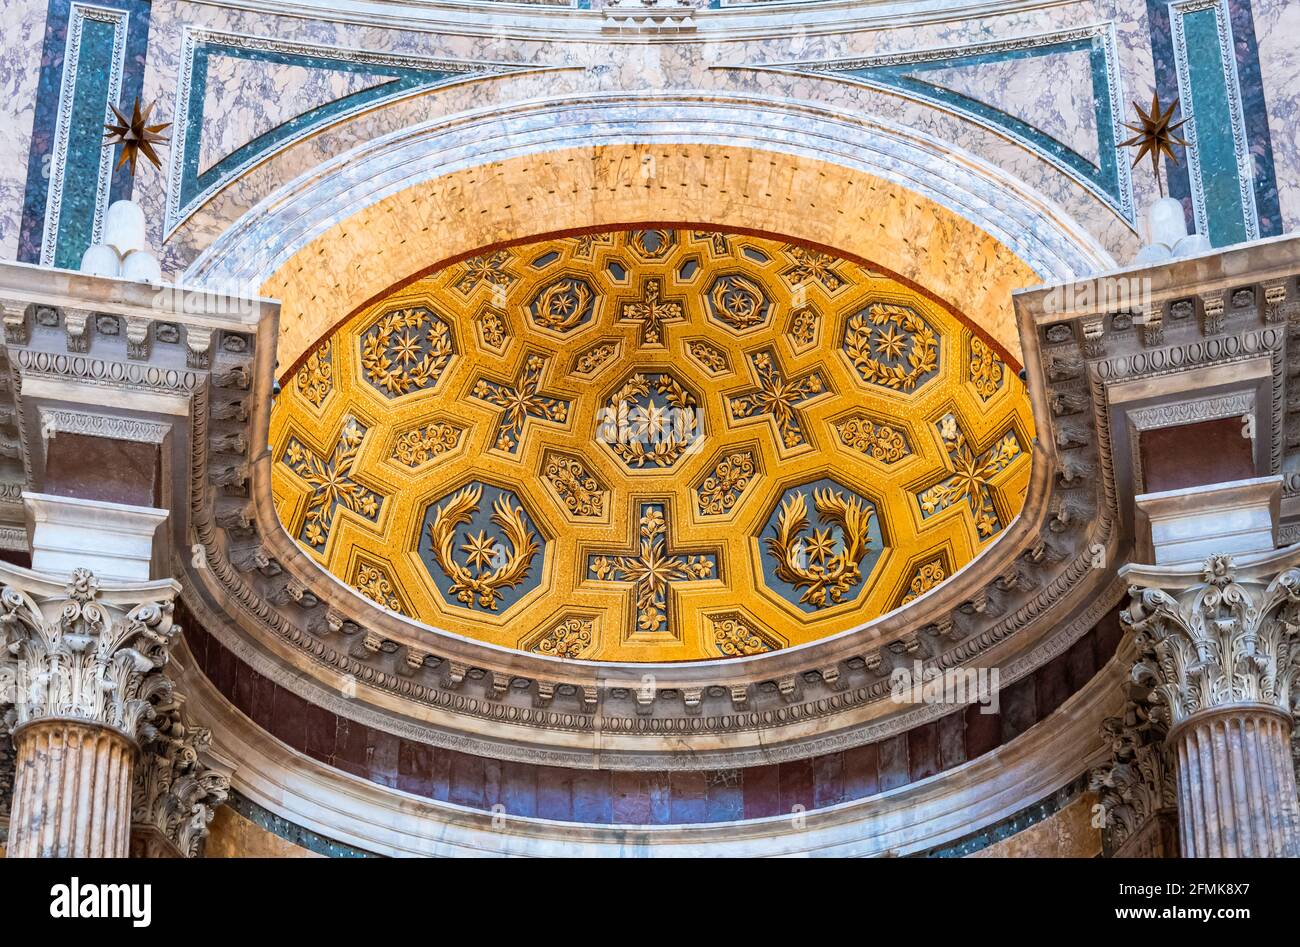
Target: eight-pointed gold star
[(1155, 136), (136, 136)]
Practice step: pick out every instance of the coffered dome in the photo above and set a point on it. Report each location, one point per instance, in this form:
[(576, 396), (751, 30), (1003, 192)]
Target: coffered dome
[(650, 445)]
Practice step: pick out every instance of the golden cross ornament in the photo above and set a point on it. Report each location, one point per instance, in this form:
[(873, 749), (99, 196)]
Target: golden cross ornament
[(1155, 136), (135, 135)]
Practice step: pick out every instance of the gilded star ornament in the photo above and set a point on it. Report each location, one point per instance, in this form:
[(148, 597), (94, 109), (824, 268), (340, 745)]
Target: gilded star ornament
[(1155, 136), (136, 136)]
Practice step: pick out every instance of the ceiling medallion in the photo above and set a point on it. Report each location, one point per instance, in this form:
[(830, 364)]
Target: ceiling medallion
[(650, 445)]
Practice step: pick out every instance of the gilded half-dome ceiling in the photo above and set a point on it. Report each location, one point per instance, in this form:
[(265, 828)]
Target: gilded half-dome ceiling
[(650, 445)]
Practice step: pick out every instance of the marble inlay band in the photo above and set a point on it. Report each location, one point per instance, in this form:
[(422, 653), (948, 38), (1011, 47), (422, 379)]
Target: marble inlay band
[(84, 105), (1218, 154), (251, 250)]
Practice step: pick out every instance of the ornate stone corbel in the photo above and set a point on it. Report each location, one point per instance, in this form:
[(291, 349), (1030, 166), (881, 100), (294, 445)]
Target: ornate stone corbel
[(1274, 310), (1094, 337), (14, 315), (1212, 309), (198, 347), (137, 338), (75, 325), (456, 674), (1153, 324)]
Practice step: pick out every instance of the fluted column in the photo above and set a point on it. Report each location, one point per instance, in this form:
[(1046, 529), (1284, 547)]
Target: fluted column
[(83, 672), (1219, 657), (72, 792), (1231, 763)]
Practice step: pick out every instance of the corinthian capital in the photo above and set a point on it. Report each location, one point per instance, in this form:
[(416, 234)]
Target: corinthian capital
[(175, 793), (74, 650), (1219, 642)]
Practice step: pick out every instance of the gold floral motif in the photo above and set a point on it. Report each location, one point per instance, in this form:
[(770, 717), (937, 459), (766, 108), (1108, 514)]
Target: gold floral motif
[(569, 639), (718, 492), (420, 445), (374, 584), (986, 369), (880, 442), (488, 268), (827, 571), (877, 339), (735, 638), (586, 363), (563, 305), (812, 265), (652, 313), (803, 328), (718, 243), (520, 401), (492, 332), (710, 358), (971, 476), (777, 398), (493, 563), (316, 378), (927, 577), (738, 302), (581, 493), (405, 351), (331, 484), (652, 570)]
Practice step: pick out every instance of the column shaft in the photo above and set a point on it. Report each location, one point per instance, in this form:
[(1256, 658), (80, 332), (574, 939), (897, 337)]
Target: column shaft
[(72, 791), (1236, 783)]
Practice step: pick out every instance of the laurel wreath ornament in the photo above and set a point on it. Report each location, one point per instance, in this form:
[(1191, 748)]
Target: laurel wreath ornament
[(886, 330), (486, 577), (827, 576)]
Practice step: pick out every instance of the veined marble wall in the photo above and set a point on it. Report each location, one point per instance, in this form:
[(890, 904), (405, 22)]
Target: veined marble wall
[(23, 24), (1277, 24), (263, 98), (1037, 91)]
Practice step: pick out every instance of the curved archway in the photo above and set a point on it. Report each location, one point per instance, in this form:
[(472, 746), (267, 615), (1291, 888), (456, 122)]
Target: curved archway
[(335, 239)]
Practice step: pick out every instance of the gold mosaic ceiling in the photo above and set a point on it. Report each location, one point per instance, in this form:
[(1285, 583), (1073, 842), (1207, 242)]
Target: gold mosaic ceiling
[(650, 445)]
